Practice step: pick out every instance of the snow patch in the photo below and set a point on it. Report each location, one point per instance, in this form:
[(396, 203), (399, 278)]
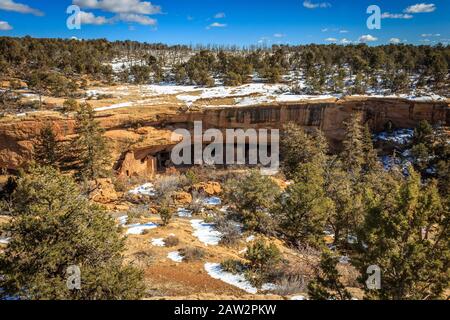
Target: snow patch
[(115, 106), (298, 298), (5, 240), (206, 233), (122, 220), (213, 201), (175, 256), (158, 242), (184, 213), (146, 189), (138, 229), (215, 271)]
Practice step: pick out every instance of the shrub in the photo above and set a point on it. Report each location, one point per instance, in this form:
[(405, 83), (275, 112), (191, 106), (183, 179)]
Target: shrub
[(262, 257), (136, 213), (171, 241), (231, 232), (192, 254), (166, 215), (70, 105), (232, 266)]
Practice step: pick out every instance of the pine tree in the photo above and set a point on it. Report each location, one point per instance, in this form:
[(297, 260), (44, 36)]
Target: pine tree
[(352, 154), (298, 147), (327, 285), (47, 148), (303, 210), (371, 162), (253, 196), (54, 228), (406, 234), (90, 146)]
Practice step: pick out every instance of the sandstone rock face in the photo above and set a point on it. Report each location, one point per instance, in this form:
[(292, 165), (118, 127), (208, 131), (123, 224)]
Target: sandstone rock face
[(104, 192), (152, 141), (182, 198), (210, 188)]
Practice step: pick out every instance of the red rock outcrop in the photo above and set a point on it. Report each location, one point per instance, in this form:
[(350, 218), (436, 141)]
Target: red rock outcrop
[(138, 134)]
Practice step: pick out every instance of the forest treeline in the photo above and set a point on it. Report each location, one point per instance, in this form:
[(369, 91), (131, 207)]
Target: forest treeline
[(56, 65)]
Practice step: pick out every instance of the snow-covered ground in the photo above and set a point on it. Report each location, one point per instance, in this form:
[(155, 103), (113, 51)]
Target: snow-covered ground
[(123, 220), (5, 240), (175, 256), (147, 189), (184, 213), (158, 242), (401, 136), (244, 95), (238, 280), (213, 201), (215, 271), (206, 233), (138, 229)]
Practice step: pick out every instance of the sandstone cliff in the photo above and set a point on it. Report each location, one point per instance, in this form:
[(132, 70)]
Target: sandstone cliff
[(137, 134)]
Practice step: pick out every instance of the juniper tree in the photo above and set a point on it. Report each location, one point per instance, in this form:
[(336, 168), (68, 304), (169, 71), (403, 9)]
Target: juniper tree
[(90, 146), (47, 148), (303, 210), (299, 147), (54, 228), (253, 196), (406, 234), (327, 285), (352, 155)]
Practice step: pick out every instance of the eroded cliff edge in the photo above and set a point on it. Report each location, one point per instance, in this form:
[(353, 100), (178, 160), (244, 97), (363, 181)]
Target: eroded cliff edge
[(138, 133)]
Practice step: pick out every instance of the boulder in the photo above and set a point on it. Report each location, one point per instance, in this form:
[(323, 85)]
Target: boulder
[(210, 188), (104, 192), (182, 198)]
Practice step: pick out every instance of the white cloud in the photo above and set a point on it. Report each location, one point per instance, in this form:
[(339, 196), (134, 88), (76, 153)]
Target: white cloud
[(216, 25), (388, 15), (421, 8), (343, 31), (367, 38), (426, 35), (310, 5), (137, 18), (395, 40), (5, 26), (10, 5), (219, 15), (324, 30), (120, 6), (279, 35), (345, 41), (90, 18), (331, 39)]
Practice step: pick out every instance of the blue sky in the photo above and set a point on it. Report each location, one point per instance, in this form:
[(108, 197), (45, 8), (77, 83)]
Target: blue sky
[(240, 22)]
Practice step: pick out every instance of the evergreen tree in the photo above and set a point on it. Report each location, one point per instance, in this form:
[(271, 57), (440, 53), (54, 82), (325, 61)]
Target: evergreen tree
[(47, 148), (90, 145), (303, 210), (298, 147), (253, 196), (406, 234), (352, 154), (54, 228), (371, 162), (327, 285)]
